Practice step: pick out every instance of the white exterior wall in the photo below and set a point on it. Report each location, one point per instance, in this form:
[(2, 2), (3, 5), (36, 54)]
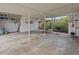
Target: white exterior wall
[(74, 29), (24, 25), (9, 25), (19, 10), (35, 25)]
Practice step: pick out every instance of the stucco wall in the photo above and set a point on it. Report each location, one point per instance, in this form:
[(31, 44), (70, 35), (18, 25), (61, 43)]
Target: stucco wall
[(9, 25), (24, 25), (74, 29)]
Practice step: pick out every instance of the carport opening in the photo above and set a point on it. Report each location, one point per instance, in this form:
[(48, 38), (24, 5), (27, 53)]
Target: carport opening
[(55, 24)]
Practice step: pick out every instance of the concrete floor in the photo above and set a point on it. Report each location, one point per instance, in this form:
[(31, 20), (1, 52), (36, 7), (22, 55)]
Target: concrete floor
[(49, 44)]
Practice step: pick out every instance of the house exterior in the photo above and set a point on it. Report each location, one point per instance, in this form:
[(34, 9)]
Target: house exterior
[(21, 10), (73, 24)]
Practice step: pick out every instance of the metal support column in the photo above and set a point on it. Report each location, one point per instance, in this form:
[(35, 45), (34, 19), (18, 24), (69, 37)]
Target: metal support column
[(52, 23), (44, 26), (28, 24)]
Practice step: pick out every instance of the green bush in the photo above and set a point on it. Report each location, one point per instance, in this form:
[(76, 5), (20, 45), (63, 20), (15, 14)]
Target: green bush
[(58, 25), (61, 25)]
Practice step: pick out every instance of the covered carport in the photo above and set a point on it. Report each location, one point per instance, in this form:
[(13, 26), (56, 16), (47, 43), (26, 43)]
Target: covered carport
[(26, 42), (39, 11)]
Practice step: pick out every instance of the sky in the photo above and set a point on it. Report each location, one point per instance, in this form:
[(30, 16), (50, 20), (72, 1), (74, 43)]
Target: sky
[(59, 17)]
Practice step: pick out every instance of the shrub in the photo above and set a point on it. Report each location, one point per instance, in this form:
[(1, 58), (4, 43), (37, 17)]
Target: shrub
[(58, 25)]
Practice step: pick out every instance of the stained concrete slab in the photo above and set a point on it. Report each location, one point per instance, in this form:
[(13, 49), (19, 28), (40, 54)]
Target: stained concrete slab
[(39, 44)]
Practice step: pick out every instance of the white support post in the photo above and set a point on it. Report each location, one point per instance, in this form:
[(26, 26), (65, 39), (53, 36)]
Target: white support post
[(52, 23), (44, 26), (28, 24), (54, 18)]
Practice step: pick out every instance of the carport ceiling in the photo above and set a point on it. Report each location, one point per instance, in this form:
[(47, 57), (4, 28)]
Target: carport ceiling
[(52, 9)]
